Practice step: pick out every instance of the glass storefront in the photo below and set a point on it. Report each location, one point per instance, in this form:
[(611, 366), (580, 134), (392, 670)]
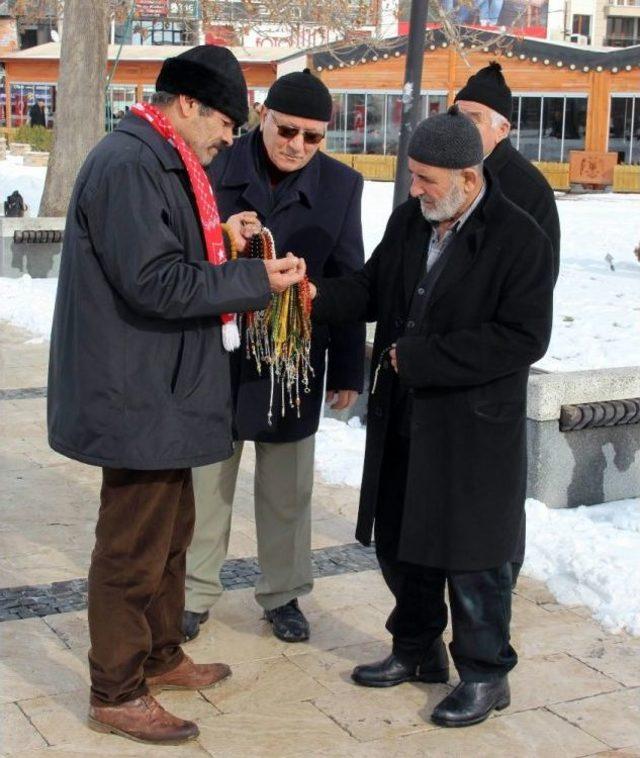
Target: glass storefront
[(545, 128), (23, 96), (370, 122), (624, 128), (119, 99)]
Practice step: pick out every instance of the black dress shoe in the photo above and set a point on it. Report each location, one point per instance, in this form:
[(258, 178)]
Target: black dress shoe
[(288, 622), (392, 671), (472, 702), (191, 624)]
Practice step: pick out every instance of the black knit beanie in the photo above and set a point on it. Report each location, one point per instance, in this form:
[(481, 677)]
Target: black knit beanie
[(210, 74), (300, 94), (447, 140), (488, 87)]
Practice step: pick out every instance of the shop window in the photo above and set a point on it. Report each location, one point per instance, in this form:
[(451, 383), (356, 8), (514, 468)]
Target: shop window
[(23, 96), (356, 113), (374, 142), (336, 127), (547, 128), (624, 128), (528, 138), (118, 102)]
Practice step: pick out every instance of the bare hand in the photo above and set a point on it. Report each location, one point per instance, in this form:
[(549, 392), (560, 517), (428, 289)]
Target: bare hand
[(242, 226), (283, 272), (393, 357), (340, 400), (313, 291)]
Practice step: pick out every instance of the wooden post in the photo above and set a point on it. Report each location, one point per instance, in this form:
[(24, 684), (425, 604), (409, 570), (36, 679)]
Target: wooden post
[(451, 80), (597, 136)]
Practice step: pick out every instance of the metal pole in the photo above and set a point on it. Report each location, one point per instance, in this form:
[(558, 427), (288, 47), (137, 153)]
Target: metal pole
[(410, 95)]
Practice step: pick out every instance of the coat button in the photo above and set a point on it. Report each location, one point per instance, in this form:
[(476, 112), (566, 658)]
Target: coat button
[(398, 323), (377, 411), (421, 290), (410, 324)]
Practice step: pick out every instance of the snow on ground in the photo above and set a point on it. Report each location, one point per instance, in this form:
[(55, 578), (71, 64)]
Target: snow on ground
[(597, 310), (587, 556), (28, 303), (28, 180)]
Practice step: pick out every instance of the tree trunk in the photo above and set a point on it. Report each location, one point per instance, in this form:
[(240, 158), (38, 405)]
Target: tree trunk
[(80, 113)]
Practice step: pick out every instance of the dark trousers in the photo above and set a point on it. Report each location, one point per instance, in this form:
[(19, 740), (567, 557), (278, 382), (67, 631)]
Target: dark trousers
[(480, 600), (480, 604), (136, 580)]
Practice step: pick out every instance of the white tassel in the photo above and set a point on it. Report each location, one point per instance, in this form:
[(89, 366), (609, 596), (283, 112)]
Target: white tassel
[(230, 336)]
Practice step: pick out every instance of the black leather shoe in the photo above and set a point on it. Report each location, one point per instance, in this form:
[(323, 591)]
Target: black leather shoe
[(472, 702), (392, 671), (191, 624), (288, 622)]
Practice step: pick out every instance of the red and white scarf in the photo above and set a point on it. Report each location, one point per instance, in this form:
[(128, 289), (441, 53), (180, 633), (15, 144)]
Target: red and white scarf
[(205, 202)]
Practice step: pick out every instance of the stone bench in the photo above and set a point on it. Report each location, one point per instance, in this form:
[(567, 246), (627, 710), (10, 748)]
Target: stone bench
[(30, 245), (584, 436)]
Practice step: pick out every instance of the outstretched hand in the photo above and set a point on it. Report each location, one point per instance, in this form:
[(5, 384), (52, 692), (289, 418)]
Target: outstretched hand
[(283, 272)]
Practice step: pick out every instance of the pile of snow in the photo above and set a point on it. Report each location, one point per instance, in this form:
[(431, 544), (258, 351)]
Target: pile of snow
[(589, 556), (28, 180), (28, 303), (586, 556)]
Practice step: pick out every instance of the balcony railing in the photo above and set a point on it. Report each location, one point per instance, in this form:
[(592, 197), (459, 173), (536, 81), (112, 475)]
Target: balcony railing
[(627, 3)]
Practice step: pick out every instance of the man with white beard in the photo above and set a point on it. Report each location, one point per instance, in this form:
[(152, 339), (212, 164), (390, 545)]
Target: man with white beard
[(461, 289)]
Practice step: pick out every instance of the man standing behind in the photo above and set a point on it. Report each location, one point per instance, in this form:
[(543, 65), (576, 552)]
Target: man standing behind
[(461, 288), (37, 115), (139, 378), (487, 100), (311, 204)]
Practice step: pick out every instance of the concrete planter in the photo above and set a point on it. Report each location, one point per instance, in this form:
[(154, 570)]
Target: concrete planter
[(36, 159), (19, 148), (596, 458)]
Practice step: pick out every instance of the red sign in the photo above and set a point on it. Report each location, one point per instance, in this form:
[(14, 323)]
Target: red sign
[(152, 8)]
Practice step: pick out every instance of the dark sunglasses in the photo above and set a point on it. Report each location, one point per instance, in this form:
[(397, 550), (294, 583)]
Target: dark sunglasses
[(289, 132)]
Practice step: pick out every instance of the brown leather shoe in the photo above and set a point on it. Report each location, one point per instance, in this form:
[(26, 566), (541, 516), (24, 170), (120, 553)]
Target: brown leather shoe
[(142, 720), (188, 675)]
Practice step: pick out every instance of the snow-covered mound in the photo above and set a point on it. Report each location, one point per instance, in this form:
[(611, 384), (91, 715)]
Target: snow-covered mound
[(28, 180), (28, 303)]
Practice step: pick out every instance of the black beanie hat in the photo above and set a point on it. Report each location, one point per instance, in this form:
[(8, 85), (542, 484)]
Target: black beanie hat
[(300, 94), (447, 140), (210, 74), (488, 87)]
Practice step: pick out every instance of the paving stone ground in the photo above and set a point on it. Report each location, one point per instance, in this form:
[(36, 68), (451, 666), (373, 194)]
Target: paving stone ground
[(576, 690)]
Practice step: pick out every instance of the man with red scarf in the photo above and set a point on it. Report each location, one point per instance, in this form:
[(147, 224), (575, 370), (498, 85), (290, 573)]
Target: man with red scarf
[(139, 375)]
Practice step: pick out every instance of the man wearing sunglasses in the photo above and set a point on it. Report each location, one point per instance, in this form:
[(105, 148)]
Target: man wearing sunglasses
[(311, 204)]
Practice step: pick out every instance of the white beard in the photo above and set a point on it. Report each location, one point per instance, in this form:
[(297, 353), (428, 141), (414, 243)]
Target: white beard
[(445, 208)]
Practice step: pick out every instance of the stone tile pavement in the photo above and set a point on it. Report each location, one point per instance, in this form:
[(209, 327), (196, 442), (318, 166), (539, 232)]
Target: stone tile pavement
[(576, 691)]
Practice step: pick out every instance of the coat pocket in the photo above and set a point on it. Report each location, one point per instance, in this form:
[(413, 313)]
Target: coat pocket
[(499, 413), (178, 366)]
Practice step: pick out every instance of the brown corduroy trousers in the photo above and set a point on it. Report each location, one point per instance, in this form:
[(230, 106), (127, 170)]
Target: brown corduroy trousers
[(136, 580)]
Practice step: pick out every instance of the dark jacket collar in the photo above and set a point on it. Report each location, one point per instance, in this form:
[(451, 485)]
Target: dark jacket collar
[(139, 128), (241, 171), (499, 156)]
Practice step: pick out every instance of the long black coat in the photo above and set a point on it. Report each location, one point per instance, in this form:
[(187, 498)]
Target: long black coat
[(523, 184), (465, 341), (317, 216), (138, 376)]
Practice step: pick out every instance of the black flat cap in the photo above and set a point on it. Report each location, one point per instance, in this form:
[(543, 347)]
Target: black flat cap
[(210, 74)]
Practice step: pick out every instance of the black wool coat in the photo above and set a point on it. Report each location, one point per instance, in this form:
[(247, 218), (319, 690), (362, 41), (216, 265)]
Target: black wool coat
[(523, 184), (138, 377), (465, 341), (316, 216)]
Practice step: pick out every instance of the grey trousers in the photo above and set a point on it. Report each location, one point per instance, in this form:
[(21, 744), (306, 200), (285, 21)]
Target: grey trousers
[(283, 485)]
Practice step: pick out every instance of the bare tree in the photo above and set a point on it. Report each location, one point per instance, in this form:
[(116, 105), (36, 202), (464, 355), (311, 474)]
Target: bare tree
[(80, 111)]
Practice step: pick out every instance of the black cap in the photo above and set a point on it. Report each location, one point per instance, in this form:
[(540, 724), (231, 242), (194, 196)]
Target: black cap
[(300, 94), (488, 87), (447, 140), (210, 74)]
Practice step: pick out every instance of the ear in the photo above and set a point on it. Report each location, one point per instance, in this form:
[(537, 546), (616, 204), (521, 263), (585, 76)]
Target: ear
[(471, 179), (503, 130), (263, 115), (186, 105)]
